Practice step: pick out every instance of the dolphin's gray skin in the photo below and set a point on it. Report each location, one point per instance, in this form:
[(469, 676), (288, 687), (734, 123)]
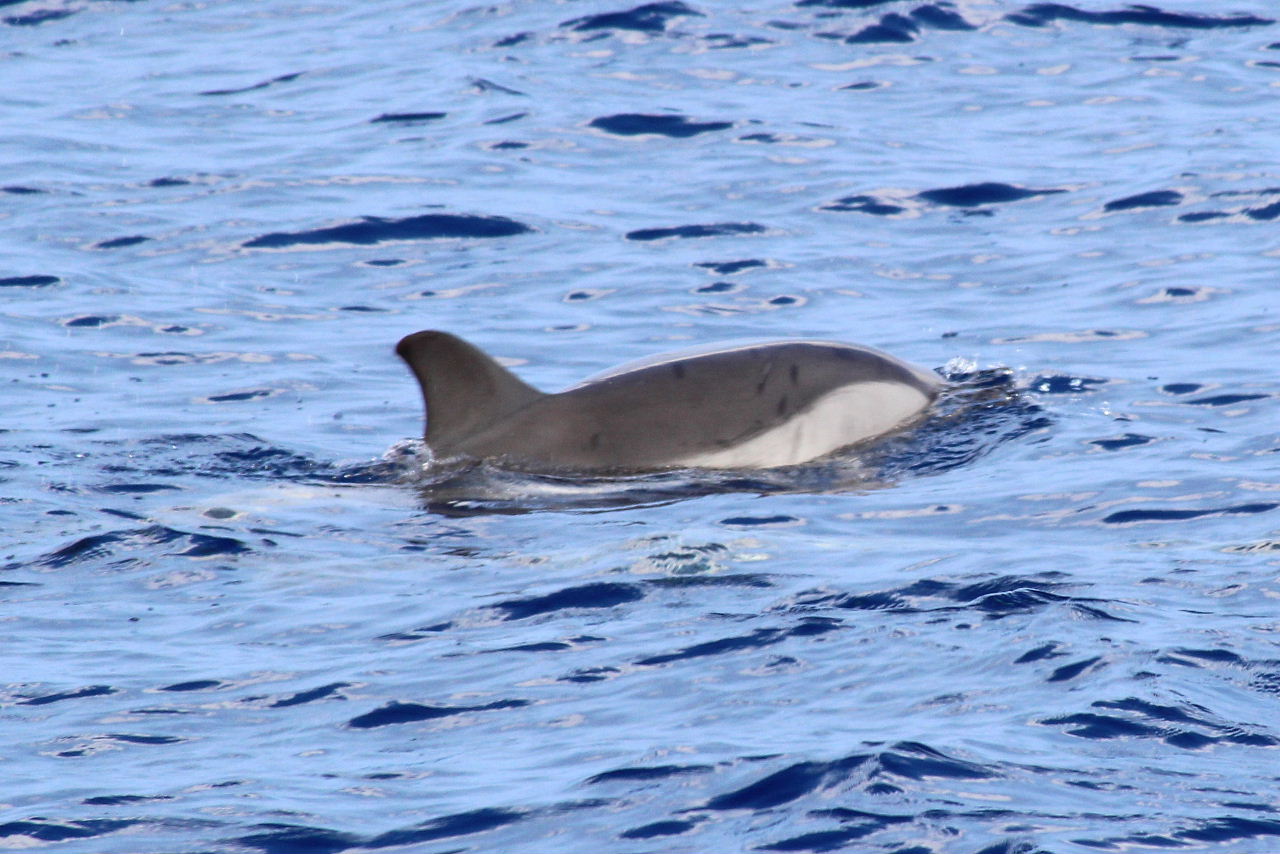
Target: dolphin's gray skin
[(736, 407)]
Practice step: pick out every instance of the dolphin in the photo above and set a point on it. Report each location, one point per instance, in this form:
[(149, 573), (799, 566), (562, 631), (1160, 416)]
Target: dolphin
[(735, 406)]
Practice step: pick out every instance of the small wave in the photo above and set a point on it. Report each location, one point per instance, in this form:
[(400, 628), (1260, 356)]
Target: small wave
[(1162, 514), (863, 204), (728, 268), (993, 599), (989, 193), (402, 713), (1187, 727), (52, 830), (720, 229), (1041, 14), (895, 28), (332, 690), (892, 28), (406, 118), (253, 87), (759, 638), (647, 773), (29, 281), (1153, 199), (121, 549), (599, 595), (649, 18), (61, 696), (640, 124), (904, 760), (38, 17), (121, 242), (941, 18), (372, 230)]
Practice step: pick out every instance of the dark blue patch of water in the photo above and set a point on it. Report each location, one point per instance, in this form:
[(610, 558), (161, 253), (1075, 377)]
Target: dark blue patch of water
[(371, 230), (639, 124), (1153, 199), (1040, 14), (988, 193), (892, 29), (648, 18), (600, 595), (29, 281), (274, 81), (403, 713), (406, 118), (695, 231)]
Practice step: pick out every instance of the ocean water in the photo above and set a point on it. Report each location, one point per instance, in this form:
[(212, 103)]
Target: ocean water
[(241, 616)]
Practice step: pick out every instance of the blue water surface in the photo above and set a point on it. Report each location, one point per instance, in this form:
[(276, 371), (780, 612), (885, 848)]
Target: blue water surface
[(241, 616)]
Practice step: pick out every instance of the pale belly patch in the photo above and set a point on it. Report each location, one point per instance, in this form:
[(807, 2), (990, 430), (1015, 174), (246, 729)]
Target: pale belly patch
[(841, 417)]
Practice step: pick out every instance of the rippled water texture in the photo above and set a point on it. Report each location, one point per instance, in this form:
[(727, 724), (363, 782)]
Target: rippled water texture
[(239, 617)]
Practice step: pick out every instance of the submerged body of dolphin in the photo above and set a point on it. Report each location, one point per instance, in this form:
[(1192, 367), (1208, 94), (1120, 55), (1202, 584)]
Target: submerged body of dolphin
[(737, 407)]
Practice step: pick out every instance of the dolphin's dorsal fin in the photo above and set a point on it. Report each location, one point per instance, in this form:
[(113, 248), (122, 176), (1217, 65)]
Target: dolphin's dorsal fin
[(464, 389)]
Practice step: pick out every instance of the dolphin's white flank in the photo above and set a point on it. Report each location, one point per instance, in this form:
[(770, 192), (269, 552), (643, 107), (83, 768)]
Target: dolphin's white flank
[(740, 406)]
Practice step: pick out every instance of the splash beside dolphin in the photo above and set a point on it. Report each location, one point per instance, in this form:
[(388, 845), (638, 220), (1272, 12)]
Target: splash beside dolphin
[(746, 406)]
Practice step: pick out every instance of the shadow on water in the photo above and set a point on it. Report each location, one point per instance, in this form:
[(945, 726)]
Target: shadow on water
[(981, 411)]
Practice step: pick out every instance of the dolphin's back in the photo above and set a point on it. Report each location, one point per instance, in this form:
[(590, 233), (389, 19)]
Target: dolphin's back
[(749, 406)]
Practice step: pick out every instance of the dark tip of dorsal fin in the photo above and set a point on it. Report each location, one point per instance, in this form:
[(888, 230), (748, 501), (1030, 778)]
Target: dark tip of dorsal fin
[(464, 389)]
